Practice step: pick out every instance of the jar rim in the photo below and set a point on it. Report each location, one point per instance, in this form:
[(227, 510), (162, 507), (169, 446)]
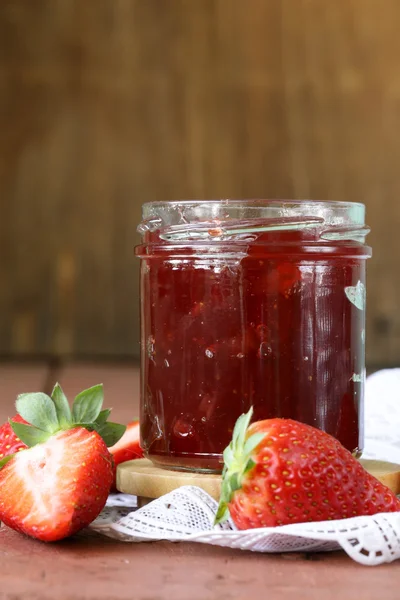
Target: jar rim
[(204, 219), (253, 202), (330, 211)]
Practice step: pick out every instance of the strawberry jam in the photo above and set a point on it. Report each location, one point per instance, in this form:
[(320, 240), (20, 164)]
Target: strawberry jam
[(249, 304)]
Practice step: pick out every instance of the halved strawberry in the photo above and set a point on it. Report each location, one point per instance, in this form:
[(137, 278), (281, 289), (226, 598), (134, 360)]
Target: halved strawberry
[(280, 471), (9, 442), (56, 488), (127, 448), (60, 483)]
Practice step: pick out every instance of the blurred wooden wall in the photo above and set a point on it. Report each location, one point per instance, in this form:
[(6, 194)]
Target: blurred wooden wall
[(105, 104)]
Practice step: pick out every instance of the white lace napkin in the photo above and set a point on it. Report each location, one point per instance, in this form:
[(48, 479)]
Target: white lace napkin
[(187, 514)]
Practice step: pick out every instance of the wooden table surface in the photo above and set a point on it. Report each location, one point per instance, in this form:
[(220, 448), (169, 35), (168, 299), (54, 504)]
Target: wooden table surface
[(90, 567)]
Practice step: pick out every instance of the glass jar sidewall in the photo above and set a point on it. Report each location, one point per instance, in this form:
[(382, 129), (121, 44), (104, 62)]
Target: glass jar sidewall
[(170, 294)]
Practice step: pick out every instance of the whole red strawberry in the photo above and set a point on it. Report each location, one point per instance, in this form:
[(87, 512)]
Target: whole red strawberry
[(280, 471), (60, 483), (9, 442)]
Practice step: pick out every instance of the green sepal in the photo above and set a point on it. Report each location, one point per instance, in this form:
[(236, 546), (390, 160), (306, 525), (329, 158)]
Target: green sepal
[(240, 429), (237, 462), (103, 416), (252, 442), (39, 410), (111, 432), (5, 460), (234, 483), (228, 455), (29, 434), (61, 405), (249, 466), (87, 405), (46, 416), (223, 511)]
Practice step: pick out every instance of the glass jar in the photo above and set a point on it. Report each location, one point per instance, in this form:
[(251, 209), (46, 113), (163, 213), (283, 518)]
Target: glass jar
[(249, 303)]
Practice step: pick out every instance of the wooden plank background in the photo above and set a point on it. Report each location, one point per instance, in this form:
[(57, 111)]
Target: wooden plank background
[(105, 104)]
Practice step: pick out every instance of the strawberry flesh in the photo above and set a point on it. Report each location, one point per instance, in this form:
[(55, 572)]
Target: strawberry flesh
[(56, 488)]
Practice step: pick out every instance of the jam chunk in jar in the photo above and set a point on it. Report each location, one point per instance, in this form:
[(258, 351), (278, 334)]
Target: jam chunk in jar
[(249, 303)]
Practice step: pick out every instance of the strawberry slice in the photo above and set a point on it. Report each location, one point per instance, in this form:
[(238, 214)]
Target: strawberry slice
[(280, 471), (127, 448), (9, 442), (60, 481)]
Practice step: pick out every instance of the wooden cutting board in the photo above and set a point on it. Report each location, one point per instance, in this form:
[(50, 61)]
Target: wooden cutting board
[(141, 478), (387, 473)]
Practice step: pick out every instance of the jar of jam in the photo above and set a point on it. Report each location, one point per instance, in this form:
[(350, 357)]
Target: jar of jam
[(249, 303)]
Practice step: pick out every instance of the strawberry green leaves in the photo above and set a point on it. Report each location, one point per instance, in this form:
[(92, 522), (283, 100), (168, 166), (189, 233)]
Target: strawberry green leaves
[(239, 431), (47, 415), (61, 405), (237, 461), (87, 410), (39, 410), (29, 434), (87, 405), (252, 442), (103, 416), (110, 432), (5, 460)]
